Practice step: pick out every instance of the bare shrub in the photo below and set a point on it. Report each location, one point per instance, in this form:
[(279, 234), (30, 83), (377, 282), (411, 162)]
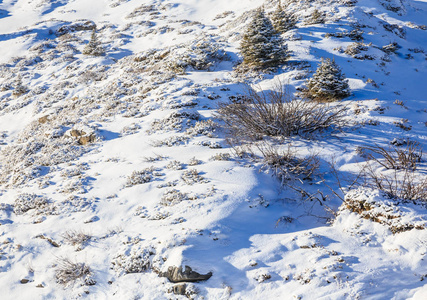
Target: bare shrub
[(399, 180), (277, 113), (396, 158), (174, 165), (194, 162), (172, 197), (286, 166), (68, 272), (192, 176), (140, 177), (405, 185), (134, 259), (76, 238), (221, 157), (25, 202)]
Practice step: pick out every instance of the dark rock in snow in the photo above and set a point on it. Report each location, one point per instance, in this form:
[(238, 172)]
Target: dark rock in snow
[(175, 275), (76, 26), (179, 289)]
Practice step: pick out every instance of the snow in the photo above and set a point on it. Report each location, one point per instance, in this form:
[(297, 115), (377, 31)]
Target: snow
[(220, 214)]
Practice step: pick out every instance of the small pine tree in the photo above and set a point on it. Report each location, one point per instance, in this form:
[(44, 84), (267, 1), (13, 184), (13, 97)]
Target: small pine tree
[(19, 87), (94, 47), (261, 46), (328, 83), (316, 17), (282, 21)]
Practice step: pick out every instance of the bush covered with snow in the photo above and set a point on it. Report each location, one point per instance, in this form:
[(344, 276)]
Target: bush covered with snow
[(68, 273), (25, 202), (134, 258)]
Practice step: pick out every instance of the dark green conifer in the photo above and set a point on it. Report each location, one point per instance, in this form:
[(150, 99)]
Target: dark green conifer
[(282, 21), (261, 46), (328, 83), (94, 47)]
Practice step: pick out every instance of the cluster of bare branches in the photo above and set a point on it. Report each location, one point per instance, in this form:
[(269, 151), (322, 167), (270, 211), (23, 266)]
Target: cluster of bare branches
[(76, 238), (394, 157), (68, 272), (405, 184), (400, 180), (285, 165), (278, 113)]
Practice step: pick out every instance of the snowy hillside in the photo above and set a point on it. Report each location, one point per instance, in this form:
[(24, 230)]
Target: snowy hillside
[(117, 169)]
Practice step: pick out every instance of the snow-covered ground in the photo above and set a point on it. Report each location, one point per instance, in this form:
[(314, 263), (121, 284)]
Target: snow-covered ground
[(118, 167)]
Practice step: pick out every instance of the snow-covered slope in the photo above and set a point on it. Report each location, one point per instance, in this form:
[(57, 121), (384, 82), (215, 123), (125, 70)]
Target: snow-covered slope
[(116, 167)]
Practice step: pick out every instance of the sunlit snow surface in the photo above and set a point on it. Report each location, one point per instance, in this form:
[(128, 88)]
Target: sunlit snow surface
[(228, 220)]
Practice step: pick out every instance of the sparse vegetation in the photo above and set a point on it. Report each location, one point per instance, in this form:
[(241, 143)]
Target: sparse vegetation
[(102, 145), (68, 272), (25, 202), (286, 166), (76, 238), (278, 114), (316, 17), (403, 185), (135, 260), (192, 176), (172, 197), (94, 46), (175, 165), (394, 157), (370, 205), (140, 177)]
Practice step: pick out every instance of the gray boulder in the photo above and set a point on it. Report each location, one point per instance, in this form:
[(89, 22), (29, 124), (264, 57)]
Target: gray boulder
[(175, 275)]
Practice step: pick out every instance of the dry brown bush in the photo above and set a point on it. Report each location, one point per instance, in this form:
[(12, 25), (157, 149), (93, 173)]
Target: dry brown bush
[(400, 180), (277, 113), (394, 157), (68, 272), (76, 238), (286, 166), (405, 185)]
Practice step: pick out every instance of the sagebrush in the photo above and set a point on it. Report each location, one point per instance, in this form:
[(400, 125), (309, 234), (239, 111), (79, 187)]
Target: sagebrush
[(277, 113)]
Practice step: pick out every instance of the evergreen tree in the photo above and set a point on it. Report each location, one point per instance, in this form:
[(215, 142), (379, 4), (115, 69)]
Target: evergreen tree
[(94, 47), (282, 21), (328, 83), (261, 46), (317, 17), (19, 87)]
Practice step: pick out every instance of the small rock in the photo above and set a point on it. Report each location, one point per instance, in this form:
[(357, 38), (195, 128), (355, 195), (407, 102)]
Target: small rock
[(77, 133), (82, 25), (179, 289), (84, 137), (87, 139), (91, 220), (24, 281), (175, 275), (44, 119), (40, 285)]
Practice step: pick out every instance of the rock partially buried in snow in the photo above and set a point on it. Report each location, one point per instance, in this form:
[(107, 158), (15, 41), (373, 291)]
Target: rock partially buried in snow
[(83, 136), (76, 26), (175, 275), (179, 289)]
